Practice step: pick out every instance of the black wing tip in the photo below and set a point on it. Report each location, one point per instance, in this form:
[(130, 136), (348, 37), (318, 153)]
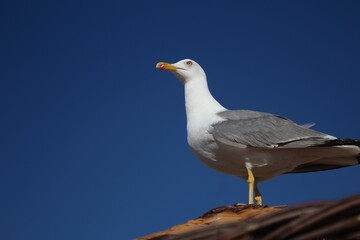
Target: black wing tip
[(341, 142)]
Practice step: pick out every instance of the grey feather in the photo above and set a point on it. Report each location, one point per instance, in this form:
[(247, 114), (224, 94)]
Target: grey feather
[(264, 130), (308, 125)]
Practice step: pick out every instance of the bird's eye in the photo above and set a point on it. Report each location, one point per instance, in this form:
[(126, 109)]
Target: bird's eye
[(189, 63)]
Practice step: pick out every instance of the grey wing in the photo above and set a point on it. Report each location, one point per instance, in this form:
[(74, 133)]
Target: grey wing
[(264, 130)]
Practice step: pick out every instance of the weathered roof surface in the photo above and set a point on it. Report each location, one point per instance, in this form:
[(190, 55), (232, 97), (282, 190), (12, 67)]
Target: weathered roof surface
[(315, 220)]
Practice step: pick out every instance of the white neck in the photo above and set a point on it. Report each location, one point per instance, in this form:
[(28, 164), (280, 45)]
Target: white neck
[(199, 102)]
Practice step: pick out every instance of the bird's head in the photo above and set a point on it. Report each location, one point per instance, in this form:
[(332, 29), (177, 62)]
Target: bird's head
[(185, 70)]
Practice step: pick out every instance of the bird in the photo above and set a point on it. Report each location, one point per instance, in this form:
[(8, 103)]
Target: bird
[(255, 146)]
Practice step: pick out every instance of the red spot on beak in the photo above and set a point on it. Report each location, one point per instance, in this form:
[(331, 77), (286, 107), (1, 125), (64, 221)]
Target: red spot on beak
[(163, 67)]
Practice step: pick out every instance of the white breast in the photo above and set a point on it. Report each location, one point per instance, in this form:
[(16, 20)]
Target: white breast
[(201, 113)]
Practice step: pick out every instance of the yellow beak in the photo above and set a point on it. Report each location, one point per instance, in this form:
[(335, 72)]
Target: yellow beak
[(166, 66)]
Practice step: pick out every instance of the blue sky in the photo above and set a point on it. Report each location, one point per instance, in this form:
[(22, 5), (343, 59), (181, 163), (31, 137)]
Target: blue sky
[(93, 137)]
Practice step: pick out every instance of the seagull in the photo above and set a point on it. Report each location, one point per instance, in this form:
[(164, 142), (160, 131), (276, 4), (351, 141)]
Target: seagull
[(255, 146)]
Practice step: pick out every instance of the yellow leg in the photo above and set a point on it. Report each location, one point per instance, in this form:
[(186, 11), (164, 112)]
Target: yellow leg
[(253, 187), (251, 181), (258, 197)]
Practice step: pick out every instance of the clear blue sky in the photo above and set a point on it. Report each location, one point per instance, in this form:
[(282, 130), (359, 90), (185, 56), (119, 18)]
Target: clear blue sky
[(93, 137)]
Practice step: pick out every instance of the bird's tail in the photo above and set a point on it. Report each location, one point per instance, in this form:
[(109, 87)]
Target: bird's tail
[(351, 156)]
